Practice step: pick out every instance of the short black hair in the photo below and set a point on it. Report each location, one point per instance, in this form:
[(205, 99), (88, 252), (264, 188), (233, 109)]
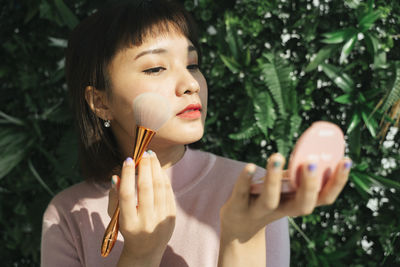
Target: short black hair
[(91, 48)]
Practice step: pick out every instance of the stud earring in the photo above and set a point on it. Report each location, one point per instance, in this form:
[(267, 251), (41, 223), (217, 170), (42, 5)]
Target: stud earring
[(107, 123)]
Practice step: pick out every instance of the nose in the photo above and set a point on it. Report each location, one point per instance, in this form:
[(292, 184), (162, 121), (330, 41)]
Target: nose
[(187, 83)]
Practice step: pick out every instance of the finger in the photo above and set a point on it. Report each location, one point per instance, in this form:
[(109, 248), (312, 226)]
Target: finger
[(270, 195), (127, 194), (158, 185), (145, 187), (113, 195), (335, 184), (285, 173), (307, 192), (241, 191), (169, 197)]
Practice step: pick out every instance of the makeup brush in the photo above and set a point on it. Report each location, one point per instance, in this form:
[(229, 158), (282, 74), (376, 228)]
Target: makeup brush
[(151, 111)]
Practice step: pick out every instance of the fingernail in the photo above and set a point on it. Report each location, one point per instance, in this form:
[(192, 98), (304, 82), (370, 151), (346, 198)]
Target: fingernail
[(347, 165), (251, 169), (312, 167), (145, 154), (114, 181), (129, 161), (277, 164), (150, 152)]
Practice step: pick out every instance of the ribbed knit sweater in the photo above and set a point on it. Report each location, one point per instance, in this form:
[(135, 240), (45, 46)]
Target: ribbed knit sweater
[(75, 220)]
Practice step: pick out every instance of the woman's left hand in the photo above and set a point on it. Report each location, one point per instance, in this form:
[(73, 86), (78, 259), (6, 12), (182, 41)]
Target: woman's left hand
[(244, 216)]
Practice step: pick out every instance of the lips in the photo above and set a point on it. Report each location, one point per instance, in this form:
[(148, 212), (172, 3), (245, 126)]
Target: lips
[(192, 111)]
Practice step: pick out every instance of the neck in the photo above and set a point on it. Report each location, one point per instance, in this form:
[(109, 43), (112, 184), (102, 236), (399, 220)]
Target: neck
[(170, 155), (167, 154)]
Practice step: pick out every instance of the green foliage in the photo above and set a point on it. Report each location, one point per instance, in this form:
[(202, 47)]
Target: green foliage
[(309, 61), (273, 67)]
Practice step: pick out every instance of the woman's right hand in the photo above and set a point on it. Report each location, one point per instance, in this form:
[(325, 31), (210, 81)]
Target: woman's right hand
[(148, 227)]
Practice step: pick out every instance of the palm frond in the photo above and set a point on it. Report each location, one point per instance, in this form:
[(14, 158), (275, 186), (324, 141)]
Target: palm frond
[(394, 92), (277, 77), (14, 145)]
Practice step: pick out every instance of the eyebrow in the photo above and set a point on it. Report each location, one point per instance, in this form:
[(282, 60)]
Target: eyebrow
[(161, 51)]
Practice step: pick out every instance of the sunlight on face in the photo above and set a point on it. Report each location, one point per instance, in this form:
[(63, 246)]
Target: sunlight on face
[(168, 65)]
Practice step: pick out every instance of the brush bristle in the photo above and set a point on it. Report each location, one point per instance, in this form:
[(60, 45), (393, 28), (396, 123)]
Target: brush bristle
[(151, 110)]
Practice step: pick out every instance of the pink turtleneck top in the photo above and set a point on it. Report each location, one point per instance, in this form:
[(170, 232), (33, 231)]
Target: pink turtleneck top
[(75, 220)]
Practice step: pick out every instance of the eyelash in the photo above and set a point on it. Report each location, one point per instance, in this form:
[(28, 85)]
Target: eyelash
[(193, 67), (154, 70), (159, 69)]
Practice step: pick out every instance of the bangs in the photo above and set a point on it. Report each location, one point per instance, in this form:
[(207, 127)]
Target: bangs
[(91, 48), (128, 24), (137, 21), (135, 35)]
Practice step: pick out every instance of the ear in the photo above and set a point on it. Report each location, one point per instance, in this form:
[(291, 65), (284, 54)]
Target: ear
[(98, 102)]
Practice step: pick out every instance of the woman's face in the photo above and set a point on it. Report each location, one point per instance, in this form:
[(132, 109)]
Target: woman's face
[(168, 65)]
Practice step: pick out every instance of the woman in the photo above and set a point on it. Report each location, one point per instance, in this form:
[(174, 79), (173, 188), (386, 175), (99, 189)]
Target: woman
[(195, 208)]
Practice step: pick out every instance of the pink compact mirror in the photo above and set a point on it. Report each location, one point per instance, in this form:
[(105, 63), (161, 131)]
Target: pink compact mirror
[(323, 143)]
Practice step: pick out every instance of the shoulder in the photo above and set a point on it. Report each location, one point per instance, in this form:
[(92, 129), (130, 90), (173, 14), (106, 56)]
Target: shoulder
[(224, 165), (73, 198)]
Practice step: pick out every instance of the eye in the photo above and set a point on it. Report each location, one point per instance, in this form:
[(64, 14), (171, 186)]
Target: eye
[(155, 70), (193, 67)]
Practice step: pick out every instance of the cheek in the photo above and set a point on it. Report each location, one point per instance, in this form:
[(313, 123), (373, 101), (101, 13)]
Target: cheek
[(122, 103), (204, 94), (125, 93)]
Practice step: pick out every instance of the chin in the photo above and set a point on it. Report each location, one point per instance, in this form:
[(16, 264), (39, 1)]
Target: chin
[(179, 136)]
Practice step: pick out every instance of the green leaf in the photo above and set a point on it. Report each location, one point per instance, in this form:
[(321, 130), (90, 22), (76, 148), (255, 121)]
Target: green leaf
[(58, 42), (362, 182), (38, 178), (368, 20), (353, 3), (339, 36), (347, 48), (372, 43), (355, 142), (231, 64), (306, 238), (385, 181), (344, 99), (341, 79), (355, 121), (248, 57), (394, 92), (66, 14), (370, 4), (295, 122), (324, 53), (380, 60), (33, 10), (277, 76), (371, 124), (11, 119), (264, 112), (282, 138), (47, 12), (246, 133), (231, 36), (14, 145)]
